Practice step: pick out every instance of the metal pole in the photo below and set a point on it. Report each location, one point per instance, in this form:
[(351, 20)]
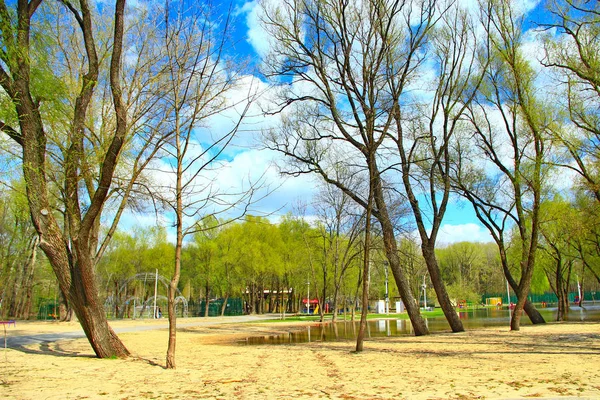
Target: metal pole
[(424, 294), (308, 298), (387, 293), (155, 291)]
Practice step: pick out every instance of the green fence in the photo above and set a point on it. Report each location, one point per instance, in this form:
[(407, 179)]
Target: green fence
[(234, 307), (47, 309), (543, 298)]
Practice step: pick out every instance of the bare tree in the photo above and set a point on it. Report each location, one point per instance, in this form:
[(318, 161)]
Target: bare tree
[(511, 132), (337, 108), (341, 229), (198, 83), (361, 68), (425, 134)]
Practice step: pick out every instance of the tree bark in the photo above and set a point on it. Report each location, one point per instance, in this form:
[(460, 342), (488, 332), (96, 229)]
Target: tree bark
[(442, 295), (562, 289), (323, 296), (170, 359), (334, 305), (15, 290), (65, 311), (71, 258), (391, 251), (224, 305), (366, 266), (28, 284), (206, 298), (534, 315)]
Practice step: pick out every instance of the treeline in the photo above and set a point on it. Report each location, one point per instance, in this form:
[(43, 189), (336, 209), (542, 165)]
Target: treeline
[(274, 266)]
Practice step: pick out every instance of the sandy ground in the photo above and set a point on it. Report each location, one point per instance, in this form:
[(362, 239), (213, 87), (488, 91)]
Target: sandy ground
[(551, 361)]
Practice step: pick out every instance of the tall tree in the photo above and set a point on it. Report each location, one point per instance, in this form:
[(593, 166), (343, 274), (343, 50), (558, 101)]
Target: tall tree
[(70, 254), (511, 142), (339, 58), (198, 80), (425, 134)]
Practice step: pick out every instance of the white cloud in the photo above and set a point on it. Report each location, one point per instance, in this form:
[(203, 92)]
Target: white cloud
[(257, 36), (469, 232), (233, 177)]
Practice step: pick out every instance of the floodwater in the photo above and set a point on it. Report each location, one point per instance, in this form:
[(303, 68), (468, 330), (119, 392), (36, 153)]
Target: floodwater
[(347, 330)]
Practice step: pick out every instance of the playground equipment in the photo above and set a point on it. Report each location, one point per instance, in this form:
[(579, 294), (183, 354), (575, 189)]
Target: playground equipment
[(493, 301), (310, 303), (47, 309), (149, 306)]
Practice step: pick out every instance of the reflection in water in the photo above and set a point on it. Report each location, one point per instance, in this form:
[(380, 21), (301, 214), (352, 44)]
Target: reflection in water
[(347, 330)]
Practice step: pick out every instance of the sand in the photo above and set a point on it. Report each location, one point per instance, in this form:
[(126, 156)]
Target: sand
[(551, 361)]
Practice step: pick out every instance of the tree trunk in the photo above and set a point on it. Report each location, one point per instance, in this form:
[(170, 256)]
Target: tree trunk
[(440, 290), (334, 305), (250, 300), (116, 298), (355, 298), (365, 275), (92, 317), (281, 301), (170, 362), (391, 251), (534, 315), (562, 290), (367, 256), (527, 265), (522, 293), (323, 296), (65, 311), (261, 299), (77, 280), (224, 305), (170, 359), (581, 286), (27, 285), (206, 298), (70, 257), (15, 289), (26, 307)]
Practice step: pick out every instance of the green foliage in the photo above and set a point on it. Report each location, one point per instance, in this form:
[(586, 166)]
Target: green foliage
[(17, 275), (144, 250), (470, 269)]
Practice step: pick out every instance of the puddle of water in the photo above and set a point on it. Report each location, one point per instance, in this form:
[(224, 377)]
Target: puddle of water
[(340, 331), (347, 330)]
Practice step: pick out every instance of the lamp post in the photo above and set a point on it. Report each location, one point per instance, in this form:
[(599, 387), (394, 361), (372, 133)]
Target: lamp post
[(155, 293), (387, 293), (307, 297), (579, 292), (424, 294)]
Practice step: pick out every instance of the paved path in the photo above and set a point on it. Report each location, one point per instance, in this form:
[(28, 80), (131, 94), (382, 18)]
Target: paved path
[(45, 338)]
